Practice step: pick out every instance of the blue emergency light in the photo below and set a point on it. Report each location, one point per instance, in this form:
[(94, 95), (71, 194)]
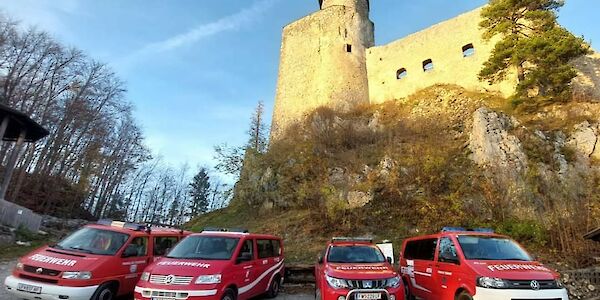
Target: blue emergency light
[(462, 229)]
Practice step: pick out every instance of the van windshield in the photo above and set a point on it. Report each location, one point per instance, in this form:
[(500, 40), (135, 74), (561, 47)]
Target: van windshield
[(205, 247), (355, 254), (93, 241), (491, 248)]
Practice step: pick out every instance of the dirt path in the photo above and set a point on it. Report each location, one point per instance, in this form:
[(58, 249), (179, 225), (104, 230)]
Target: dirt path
[(294, 293)]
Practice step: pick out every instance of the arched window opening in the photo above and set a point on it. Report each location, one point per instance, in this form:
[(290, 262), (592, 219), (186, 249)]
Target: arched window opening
[(348, 48), (401, 73), (428, 65), (468, 50)]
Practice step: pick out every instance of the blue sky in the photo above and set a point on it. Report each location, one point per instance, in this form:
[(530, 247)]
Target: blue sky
[(195, 69)]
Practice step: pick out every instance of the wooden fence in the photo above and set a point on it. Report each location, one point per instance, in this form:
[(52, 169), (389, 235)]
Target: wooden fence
[(15, 215), (592, 275)]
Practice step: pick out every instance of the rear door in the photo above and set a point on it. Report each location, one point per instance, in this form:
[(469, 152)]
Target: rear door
[(419, 256), (269, 258)]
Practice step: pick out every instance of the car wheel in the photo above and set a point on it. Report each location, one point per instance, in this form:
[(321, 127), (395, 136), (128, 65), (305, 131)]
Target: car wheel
[(464, 296), (274, 288), (105, 292), (228, 295)]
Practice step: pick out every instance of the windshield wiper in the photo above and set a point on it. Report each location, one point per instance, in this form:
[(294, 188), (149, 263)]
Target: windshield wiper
[(81, 249)]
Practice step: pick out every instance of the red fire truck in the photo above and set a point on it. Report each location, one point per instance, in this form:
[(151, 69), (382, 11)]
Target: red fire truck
[(458, 264), (99, 262), (356, 269), (216, 264)]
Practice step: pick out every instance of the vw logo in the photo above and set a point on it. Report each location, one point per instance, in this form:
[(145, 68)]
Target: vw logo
[(535, 285), (169, 279), (39, 270)]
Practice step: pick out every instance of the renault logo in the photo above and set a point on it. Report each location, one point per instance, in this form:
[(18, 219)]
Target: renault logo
[(535, 285), (39, 270), (169, 279)]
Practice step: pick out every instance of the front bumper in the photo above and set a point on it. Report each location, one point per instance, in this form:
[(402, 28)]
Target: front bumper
[(49, 291), (497, 294), (142, 293), (387, 294)]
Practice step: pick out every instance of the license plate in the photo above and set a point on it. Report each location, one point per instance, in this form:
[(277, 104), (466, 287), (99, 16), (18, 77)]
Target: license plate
[(368, 296), (29, 288)]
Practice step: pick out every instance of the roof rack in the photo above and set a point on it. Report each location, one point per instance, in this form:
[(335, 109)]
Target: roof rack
[(462, 229), (217, 229), (352, 239)]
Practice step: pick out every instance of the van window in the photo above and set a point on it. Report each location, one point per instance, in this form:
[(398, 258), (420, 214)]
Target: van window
[(205, 247), (142, 245), (265, 248), (163, 243), (93, 241), (491, 248), (276, 247), (247, 247), (447, 250), (420, 249)]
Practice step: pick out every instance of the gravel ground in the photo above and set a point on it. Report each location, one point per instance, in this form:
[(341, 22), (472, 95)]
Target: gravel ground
[(292, 292)]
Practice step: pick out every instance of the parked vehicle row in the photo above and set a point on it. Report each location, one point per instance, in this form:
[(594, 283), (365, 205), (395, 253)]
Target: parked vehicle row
[(109, 259)]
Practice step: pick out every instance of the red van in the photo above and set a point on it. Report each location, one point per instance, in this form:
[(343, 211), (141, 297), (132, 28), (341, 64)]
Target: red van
[(216, 264), (457, 264), (356, 269), (97, 262)]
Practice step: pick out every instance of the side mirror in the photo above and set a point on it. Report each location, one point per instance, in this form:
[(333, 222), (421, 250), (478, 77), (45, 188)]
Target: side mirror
[(449, 258), (320, 259), (389, 259), (244, 257), (130, 251)]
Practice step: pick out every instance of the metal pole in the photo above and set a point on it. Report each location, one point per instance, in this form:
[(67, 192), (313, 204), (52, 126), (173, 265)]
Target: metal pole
[(3, 127), (10, 166)]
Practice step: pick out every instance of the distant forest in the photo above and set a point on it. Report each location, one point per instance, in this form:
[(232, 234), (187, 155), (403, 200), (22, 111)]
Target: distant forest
[(94, 164)]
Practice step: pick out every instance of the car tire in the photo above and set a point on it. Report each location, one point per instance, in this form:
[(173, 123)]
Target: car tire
[(274, 288), (228, 295), (463, 296), (105, 291)]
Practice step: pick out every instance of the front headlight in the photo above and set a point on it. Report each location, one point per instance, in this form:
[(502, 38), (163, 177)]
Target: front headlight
[(393, 282), (19, 266), (209, 279), (336, 283), (82, 275), (491, 283), (145, 276)]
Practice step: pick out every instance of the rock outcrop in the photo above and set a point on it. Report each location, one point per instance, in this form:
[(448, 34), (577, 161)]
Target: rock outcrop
[(492, 144)]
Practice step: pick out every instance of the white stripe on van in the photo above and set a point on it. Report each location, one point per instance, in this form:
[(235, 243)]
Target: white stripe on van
[(248, 287)]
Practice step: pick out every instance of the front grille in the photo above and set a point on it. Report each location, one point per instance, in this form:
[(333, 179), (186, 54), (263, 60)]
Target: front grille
[(39, 279), (171, 279), (47, 272), (165, 294), (526, 284), (367, 284)]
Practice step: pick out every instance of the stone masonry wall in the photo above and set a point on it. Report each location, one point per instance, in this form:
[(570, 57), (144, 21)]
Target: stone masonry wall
[(443, 44), (322, 63)]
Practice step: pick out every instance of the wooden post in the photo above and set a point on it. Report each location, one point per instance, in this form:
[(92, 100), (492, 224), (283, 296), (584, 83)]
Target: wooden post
[(10, 166)]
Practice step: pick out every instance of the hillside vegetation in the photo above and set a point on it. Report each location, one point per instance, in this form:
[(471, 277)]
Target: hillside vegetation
[(445, 156)]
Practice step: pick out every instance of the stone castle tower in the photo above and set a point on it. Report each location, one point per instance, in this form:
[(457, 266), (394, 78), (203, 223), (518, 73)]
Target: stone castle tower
[(323, 61)]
